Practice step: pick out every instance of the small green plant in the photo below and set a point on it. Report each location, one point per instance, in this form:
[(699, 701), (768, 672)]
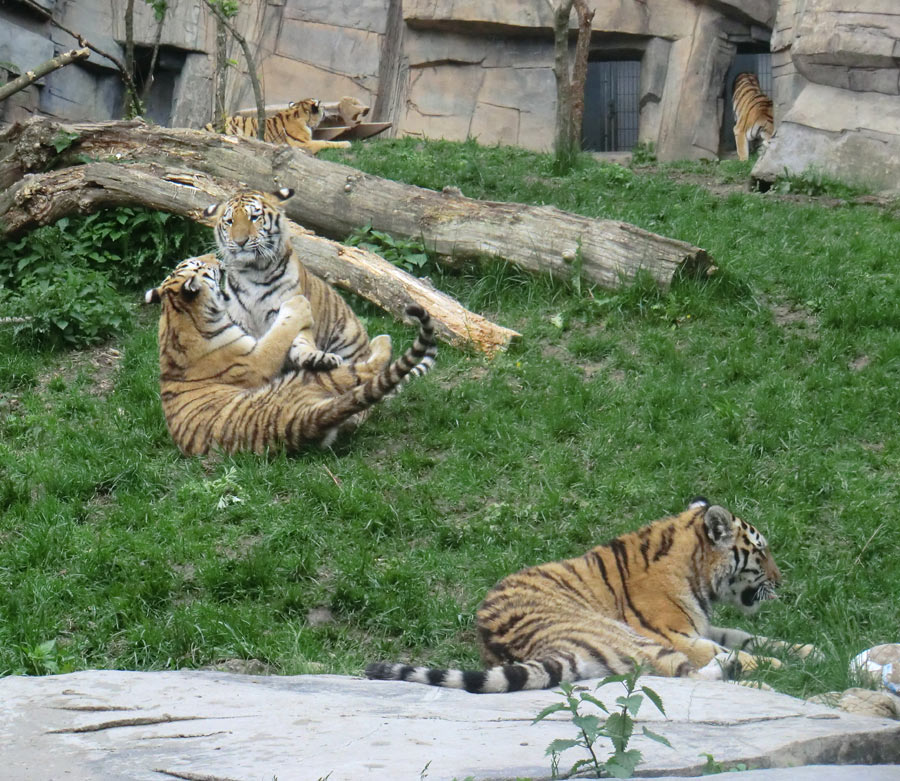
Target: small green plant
[(63, 140), (714, 767), (617, 727), (408, 254), (45, 659), (643, 153), (815, 182)]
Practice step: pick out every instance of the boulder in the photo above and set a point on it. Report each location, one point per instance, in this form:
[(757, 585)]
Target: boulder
[(109, 724), (836, 83)]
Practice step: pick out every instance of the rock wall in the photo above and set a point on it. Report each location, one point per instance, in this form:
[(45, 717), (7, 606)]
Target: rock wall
[(458, 69), (836, 91)]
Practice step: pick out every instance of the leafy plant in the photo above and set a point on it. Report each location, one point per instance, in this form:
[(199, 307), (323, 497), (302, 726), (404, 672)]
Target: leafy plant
[(75, 308), (617, 727), (67, 277), (714, 767), (408, 254), (815, 182), (63, 140), (45, 659), (643, 153)]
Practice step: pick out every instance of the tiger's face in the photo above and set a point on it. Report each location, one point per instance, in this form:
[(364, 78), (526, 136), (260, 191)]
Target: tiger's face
[(750, 574), (250, 228), (193, 279), (194, 284), (307, 111)]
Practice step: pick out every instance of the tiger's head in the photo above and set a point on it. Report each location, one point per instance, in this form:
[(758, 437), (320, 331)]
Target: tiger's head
[(746, 575), (193, 310), (352, 111), (250, 228), (307, 111)]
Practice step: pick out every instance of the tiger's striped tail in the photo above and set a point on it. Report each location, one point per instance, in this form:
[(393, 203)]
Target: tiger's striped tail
[(533, 674), (375, 389)]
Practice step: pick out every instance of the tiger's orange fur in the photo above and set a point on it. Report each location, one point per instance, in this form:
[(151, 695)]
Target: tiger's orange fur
[(753, 118), (644, 596), (222, 387), (262, 271), (292, 126)]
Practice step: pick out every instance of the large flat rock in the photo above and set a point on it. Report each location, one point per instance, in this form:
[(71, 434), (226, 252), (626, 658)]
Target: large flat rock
[(110, 724)]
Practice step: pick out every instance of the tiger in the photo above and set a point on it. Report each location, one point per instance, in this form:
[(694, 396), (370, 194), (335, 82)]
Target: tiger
[(292, 126), (642, 598), (262, 271), (222, 387), (753, 123), (351, 111)]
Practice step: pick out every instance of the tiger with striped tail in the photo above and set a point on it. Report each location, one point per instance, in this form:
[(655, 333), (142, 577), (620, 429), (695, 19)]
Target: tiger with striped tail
[(753, 118), (221, 387), (644, 597), (292, 126)]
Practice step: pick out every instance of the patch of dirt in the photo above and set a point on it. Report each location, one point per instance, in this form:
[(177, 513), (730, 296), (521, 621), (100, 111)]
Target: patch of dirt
[(720, 188), (101, 362)]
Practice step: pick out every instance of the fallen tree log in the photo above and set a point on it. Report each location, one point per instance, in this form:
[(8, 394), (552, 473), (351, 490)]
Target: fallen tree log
[(41, 199), (335, 199)]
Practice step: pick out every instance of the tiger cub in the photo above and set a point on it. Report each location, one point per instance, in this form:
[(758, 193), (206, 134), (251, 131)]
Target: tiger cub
[(220, 386), (262, 271), (753, 122), (292, 126), (645, 596)]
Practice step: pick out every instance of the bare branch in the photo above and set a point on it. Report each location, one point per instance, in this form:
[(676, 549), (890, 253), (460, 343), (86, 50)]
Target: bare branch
[(130, 88), (29, 77), (251, 68)]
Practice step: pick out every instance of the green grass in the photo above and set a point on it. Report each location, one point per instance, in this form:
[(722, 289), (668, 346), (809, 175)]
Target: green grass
[(771, 388)]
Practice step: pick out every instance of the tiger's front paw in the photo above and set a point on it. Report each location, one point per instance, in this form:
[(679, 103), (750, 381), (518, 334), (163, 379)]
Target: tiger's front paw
[(728, 665), (808, 651), (315, 360)]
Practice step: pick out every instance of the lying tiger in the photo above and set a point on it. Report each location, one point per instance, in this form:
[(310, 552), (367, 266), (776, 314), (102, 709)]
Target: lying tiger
[(645, 596), (753, 120), (222, 387), (293, 126)]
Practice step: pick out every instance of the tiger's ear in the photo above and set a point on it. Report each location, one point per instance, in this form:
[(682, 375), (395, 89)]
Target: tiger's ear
[(191, 287), (152, 296), (698, 501), (210, 211), (719, 525), (283, 193)]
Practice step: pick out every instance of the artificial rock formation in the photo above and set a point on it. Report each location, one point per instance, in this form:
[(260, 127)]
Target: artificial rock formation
[(836, 73), (483, 69)]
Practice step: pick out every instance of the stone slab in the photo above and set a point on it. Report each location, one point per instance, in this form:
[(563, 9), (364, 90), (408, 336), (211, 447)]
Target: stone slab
[(104, 725)]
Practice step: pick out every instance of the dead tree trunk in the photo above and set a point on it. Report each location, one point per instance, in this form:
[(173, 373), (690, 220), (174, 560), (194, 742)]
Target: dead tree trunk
[(334, 199), (42, 199)]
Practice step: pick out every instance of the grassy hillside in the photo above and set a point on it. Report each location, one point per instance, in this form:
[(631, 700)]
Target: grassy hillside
[(771, 388)]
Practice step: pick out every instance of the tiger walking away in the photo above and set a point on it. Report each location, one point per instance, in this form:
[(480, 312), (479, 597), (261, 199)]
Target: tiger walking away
[(262, 271), (292, 126), (753, 117), (221, 387), (644, 596)]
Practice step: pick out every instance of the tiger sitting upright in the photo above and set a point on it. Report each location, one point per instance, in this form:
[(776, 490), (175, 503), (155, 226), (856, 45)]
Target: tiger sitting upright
[(221, 386), (753, 119), (262, 271), (643, 597), (292, 126)]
